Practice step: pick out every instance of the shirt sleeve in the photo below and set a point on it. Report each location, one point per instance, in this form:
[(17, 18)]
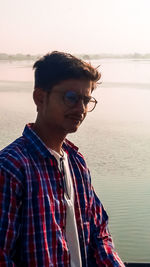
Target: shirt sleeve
[(10, 204), (101, 240)]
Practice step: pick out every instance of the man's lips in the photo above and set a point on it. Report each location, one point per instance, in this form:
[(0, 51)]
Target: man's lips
[(75, 117)]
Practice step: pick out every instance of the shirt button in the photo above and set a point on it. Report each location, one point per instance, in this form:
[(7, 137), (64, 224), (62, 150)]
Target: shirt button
[(60, 184)]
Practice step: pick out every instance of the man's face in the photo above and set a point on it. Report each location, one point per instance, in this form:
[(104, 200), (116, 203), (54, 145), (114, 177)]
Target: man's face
[(55, 113)]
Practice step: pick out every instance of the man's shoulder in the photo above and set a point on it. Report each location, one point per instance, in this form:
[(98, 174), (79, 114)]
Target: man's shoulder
[(12, 154)]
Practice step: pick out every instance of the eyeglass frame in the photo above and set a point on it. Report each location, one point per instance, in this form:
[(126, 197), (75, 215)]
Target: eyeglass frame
[(80, 97)]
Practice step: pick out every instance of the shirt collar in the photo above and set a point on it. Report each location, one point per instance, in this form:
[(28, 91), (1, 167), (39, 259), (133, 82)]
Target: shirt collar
[(36, 145)]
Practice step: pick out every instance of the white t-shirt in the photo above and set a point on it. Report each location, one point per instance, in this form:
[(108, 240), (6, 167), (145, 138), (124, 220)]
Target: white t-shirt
[(71, 226)]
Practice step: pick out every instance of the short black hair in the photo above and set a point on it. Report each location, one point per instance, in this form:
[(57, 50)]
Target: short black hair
[(59, 66)]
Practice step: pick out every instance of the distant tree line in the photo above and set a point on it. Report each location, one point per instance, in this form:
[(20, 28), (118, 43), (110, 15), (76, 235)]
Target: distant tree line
[(19, 56), (106, 55), (4, 56)]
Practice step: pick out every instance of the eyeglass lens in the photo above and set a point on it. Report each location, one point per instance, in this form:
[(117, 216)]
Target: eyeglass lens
[(71, 98)]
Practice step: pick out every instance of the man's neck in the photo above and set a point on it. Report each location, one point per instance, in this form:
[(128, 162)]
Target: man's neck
[(50, 138)]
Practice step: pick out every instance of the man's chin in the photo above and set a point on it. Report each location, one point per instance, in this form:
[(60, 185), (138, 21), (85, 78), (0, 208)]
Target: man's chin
[(72, 127), (72, 130)]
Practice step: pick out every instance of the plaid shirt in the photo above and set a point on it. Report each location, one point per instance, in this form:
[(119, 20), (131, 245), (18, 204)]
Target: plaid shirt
[(32, 208)]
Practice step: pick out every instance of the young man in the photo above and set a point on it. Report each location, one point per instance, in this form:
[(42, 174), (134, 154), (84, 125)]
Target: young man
[(49, 212)]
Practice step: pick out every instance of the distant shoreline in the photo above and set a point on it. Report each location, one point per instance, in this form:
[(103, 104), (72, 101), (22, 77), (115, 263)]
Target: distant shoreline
[(19, 56), (19, 86)]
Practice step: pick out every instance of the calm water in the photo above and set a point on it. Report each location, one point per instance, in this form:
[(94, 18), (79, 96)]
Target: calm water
[(115, 139)]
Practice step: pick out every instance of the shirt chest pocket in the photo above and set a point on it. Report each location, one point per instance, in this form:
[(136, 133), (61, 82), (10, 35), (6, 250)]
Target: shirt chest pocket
[(84, 208)]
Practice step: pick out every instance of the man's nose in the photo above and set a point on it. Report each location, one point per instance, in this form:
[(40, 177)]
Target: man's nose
[(81, 106)]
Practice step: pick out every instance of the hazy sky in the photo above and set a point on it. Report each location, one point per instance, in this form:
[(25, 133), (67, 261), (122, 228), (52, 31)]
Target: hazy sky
[(77, 26)]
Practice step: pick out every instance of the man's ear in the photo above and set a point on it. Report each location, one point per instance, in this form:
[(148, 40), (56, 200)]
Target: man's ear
[(38, 97)]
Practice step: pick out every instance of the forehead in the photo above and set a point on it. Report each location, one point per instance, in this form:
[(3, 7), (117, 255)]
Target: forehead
[(79, 86)]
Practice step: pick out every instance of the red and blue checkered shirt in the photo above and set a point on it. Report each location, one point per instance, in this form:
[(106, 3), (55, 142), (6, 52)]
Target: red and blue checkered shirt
[(33, 212)]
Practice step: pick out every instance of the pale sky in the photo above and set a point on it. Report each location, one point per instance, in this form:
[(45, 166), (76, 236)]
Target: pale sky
[(76, 26)]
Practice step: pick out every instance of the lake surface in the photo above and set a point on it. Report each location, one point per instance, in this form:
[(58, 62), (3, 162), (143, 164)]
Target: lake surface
[(114, 138)]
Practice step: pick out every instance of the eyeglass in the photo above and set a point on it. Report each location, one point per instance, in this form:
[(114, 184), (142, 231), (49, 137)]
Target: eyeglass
[(71, 98)]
